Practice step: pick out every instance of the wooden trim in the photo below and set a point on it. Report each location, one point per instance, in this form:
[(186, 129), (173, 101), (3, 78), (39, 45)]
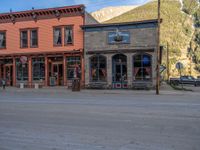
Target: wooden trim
[(77, 10), (120, 24), (64, 70), (50, 53), (63, 25), (119, 51), (30, 69), (14, 72)]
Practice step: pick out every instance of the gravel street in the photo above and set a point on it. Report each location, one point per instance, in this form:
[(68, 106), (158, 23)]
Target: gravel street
[(50, 119)]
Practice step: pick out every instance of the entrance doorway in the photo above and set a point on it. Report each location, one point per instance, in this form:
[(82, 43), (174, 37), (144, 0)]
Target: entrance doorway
[(55, 67), (57, 73), (119, 73), (8, 74)]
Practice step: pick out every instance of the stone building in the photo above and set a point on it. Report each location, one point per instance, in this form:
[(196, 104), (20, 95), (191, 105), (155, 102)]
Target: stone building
[(120, 55)]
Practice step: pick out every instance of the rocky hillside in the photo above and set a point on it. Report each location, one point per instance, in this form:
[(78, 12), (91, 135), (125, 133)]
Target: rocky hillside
[(178, 29), (110, 12)]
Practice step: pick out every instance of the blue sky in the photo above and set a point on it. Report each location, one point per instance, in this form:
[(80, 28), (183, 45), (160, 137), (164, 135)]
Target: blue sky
[(91, 5)]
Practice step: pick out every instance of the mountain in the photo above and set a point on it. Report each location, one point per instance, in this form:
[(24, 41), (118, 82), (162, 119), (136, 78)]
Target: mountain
[(111, 12), (178, 29)]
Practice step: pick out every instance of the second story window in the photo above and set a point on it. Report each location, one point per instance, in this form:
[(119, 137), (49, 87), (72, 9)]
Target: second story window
[(24, 39), (34, 38), (57, 36), (2, 39), (68, 35)]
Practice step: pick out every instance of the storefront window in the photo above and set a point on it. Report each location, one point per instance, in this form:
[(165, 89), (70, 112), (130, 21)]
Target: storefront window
[(38, 65), (21, 70), (142, 67), (98, 71), (73, 67)]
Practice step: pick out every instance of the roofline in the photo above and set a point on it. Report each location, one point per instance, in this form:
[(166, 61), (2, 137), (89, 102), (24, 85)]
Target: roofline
[(44, 9), (120, 24)]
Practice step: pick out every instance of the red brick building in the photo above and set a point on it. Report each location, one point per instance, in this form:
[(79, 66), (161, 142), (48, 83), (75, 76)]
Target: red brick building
[(42, 46)]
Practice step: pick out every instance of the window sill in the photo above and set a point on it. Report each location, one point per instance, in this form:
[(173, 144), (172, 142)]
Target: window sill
[(57, 45), (69, 44), (23, 47), (34, 47)]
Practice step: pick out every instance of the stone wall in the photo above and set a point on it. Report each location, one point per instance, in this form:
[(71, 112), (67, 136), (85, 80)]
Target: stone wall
[(139, 39), (142, 40)]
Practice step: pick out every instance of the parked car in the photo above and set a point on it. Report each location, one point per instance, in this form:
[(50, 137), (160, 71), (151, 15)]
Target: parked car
[(185, 80)]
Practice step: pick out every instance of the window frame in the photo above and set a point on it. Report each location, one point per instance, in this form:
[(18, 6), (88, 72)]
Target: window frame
[(30, 30), (38, 60), (61, 28), (142, 66), (4, 32), (98, 67), (72, 28), (20, 33), (72, 60), (18, 63)]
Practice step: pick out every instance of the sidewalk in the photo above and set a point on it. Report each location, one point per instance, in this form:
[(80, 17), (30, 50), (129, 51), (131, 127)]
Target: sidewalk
[(164, 90)]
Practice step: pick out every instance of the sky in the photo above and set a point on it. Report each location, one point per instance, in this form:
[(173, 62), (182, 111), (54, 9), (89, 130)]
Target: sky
[(91, 5)]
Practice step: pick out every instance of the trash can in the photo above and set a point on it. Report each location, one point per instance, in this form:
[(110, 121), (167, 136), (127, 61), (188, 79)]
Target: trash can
[(76, 85), (21, 85)]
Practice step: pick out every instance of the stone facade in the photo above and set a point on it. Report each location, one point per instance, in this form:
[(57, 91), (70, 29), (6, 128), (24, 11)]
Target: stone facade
[(142, 41)]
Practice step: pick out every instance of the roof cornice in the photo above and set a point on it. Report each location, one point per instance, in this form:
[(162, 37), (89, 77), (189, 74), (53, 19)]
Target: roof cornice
[(120, 24), (38, 14)]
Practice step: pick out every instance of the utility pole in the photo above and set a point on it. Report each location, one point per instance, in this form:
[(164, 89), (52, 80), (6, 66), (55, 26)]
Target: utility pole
[(190, 55), (167, 62), (158, 53)]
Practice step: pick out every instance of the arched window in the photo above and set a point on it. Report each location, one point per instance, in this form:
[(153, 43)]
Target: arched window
[(98, 71), (142, 67)]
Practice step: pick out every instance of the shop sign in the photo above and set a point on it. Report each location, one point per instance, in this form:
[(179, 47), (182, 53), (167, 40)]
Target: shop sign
[(23, 59)]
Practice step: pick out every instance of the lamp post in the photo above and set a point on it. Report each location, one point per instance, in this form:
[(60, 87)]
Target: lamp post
[(158, 53)]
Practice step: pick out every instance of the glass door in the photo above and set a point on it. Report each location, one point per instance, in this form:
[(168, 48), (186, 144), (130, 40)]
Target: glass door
[(119, 71)]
